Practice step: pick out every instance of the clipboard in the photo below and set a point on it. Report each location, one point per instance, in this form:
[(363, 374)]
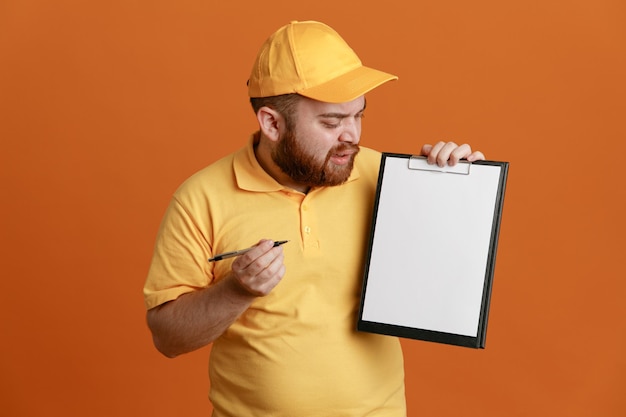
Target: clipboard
[(432, 250)]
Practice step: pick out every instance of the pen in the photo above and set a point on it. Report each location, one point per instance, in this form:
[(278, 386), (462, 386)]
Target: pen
[(227, 255)]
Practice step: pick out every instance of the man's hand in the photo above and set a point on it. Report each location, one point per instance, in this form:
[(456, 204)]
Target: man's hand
[(450, 153), (260, 269)]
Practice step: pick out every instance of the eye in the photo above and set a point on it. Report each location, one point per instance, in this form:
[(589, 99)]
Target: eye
[(330, 125)]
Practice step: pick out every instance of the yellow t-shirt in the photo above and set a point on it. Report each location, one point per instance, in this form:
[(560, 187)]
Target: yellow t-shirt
[(294, 352)]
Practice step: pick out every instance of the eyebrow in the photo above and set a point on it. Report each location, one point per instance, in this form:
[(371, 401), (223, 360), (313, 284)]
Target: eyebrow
[(341, 115)]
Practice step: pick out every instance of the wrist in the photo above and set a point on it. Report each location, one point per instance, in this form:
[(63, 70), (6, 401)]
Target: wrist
[(237, 290)]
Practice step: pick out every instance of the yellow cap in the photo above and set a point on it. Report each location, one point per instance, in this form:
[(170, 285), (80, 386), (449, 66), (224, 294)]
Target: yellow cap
[(311, 59)]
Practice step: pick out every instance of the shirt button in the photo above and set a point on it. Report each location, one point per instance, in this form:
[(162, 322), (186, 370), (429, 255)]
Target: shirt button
[(307, 230)]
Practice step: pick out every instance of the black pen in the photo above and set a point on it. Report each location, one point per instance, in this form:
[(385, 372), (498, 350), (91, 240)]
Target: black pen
[(227, 255)]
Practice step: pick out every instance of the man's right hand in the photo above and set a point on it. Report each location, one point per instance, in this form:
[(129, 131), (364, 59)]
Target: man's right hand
[(260, 269)]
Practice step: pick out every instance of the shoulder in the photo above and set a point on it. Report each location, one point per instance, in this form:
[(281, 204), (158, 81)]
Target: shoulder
[(214, 175), (197, 191)]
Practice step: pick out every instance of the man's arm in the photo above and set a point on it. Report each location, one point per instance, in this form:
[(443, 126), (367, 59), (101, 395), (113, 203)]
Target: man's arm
[(196, 319)]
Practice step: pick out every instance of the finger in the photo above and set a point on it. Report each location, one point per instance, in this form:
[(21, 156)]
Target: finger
[(444, 153), (426, 149), (259, 278), (245, 260), (269, 277), (248, 266), (434, 152), (263, 262), (459, 153), (476, 156)]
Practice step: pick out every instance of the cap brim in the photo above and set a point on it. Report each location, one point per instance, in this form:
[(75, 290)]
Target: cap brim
[(349, 86)]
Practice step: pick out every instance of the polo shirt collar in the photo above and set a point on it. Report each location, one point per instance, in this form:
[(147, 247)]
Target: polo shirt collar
[(252, 177)]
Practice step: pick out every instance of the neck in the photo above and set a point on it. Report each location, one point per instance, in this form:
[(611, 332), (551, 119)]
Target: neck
[(263, 153)]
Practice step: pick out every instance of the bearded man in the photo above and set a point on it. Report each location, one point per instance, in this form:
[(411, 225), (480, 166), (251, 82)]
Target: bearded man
[(282, 319)]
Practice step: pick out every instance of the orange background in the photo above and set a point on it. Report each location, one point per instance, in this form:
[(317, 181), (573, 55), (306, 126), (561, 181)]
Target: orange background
[(106, 106)]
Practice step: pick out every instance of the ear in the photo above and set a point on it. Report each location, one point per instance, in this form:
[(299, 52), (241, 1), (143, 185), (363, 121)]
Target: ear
[(271, 122)]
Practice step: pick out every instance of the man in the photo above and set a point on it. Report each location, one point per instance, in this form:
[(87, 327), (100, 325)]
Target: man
[(282, 318)]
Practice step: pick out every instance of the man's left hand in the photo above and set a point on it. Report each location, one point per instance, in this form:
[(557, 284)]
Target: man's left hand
[(449, 153)]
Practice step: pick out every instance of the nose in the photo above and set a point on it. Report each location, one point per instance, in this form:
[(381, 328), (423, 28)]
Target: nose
[(351, 130)]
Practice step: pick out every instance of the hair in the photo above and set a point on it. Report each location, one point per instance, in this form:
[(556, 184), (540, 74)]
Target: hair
[(285, 104)]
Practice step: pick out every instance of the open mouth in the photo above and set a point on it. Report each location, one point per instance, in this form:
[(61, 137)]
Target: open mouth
[(343, 154), (341, 158)]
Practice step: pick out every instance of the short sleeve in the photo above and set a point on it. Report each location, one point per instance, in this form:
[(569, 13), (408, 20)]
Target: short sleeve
[(180, 259)]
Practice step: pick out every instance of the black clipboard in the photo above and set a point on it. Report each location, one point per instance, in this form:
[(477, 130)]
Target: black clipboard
[(432, 250)]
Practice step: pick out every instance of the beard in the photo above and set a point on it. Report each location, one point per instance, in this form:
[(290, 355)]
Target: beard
[(305, 168)]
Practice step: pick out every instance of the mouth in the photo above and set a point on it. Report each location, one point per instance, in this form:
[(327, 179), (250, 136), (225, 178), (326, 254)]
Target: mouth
[(343, 156)]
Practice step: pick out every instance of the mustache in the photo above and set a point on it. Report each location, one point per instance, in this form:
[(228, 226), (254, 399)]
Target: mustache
[(344, 148)]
